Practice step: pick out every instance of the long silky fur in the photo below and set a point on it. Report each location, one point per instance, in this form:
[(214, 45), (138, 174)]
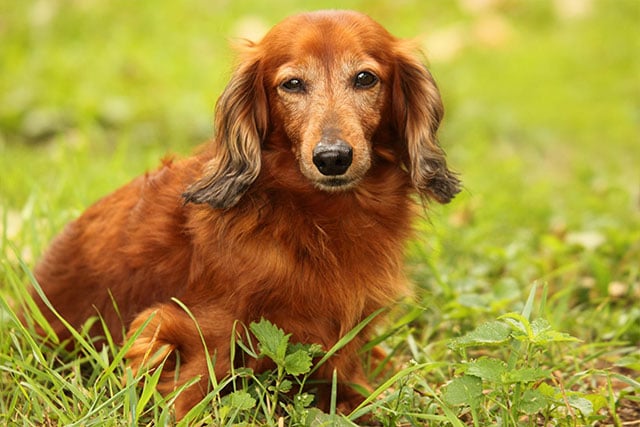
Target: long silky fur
[(419, 111)]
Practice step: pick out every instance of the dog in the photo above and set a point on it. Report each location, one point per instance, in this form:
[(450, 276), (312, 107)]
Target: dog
[(297, 211)]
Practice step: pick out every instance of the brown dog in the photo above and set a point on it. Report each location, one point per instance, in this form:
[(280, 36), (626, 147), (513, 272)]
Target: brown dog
[(297, 211)]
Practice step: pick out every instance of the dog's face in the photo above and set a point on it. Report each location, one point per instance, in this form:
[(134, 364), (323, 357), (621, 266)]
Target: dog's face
[(328, 83), (329, 93)]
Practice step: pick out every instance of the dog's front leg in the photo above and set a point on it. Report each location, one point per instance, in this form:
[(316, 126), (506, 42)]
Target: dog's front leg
[(166, 333)]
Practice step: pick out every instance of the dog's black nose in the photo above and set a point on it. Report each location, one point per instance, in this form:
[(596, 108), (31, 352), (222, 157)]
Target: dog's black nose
[(332, 158)]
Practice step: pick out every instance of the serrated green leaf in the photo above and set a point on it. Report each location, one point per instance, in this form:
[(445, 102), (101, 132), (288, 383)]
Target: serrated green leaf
[(240, 400), (543, 334), (536, 332), (526, 375), (297, 363), (285, 386), (581, 404), (532, 402), (317, 418), (488, 333), (464, 390), (518, 323), (224, 410), (539, 326), (314, 350), (301, 401), (243, 372), (273, 341), (552, 336), (488, 369), (598, 401), (547, 390)]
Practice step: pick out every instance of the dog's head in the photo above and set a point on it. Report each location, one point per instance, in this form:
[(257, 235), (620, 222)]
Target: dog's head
[(329, 82)]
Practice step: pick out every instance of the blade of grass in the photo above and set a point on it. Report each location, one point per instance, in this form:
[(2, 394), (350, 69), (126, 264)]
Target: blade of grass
[(334, 393), (346, 339)]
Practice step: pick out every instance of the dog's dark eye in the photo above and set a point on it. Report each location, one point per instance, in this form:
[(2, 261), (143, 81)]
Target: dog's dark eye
[(365, 80), (293, 86)]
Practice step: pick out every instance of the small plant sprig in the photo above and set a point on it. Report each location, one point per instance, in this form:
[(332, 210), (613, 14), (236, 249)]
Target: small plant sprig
[(284, 387), (293, 364), (522, 387)]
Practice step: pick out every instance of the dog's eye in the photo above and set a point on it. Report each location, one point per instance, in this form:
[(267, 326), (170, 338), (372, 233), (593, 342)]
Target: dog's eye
[(365, 80), (293, 86)]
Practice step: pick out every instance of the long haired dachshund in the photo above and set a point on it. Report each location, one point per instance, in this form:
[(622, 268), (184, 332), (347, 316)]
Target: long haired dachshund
[(296, 211)]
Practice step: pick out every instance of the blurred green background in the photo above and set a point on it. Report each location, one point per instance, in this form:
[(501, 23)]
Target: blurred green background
[(542, 121)]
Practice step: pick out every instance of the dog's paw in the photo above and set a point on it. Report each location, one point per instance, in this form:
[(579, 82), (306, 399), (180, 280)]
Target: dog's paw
[(150, 348)]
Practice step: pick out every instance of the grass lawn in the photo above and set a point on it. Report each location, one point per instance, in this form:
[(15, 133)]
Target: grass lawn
[(527, 286)]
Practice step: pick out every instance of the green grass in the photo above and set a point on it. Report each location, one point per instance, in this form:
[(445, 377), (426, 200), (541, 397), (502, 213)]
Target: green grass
[(527, 286)]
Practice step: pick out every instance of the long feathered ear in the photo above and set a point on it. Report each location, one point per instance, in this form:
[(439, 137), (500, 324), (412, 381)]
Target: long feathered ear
[(241, 125), (418, 110)]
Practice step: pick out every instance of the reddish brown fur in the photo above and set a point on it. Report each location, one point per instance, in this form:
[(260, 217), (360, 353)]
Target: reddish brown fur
[(262, 232)]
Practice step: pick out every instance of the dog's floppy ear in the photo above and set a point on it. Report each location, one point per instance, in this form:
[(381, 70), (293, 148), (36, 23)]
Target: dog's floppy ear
[(241, 125), (418, 110)]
